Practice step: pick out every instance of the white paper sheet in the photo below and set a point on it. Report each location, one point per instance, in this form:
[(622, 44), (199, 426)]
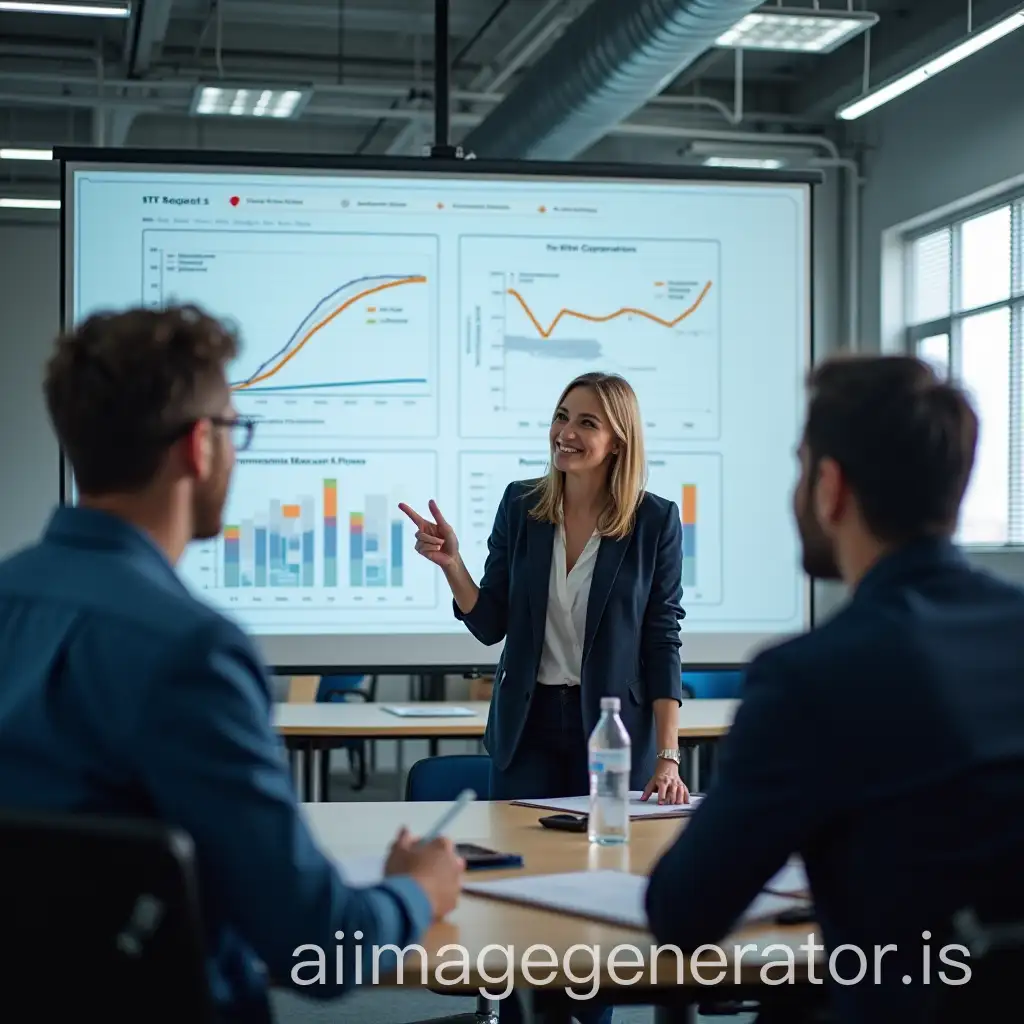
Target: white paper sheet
[(430, 712), (613, 896), (367, 869), (637, 808)]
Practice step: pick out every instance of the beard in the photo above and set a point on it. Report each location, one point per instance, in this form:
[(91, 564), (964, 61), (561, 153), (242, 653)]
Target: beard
[(208, 501), (817, 551)]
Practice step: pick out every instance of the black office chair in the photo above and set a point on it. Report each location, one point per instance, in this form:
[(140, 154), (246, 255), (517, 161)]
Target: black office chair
[(103, 919)]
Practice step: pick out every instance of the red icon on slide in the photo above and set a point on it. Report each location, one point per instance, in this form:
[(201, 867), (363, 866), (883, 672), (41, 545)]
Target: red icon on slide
[(234, 200)]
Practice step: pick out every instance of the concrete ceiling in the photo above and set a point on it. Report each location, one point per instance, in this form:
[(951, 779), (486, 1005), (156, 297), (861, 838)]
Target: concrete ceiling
[(67, 79)]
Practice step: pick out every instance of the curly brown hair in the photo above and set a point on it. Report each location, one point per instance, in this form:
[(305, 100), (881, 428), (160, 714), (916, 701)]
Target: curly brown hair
[(121, 387)]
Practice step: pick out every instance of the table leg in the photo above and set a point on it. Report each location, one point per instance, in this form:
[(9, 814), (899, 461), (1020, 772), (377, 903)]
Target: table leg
[(315, 760), (400, 768), (299, 770), (693, 781)]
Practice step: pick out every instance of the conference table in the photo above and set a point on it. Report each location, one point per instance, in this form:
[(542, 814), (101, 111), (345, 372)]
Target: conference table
[(485, 928), (310, 729)]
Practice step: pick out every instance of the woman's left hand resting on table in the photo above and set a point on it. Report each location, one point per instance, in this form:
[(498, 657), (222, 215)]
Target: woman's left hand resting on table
[(666, 784)]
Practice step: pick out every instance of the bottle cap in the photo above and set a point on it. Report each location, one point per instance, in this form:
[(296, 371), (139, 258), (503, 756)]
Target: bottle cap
[(610, 704)]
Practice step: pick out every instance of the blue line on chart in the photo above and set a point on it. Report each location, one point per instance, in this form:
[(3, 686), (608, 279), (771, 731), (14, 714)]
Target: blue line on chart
[(337, 384), (302, 323)]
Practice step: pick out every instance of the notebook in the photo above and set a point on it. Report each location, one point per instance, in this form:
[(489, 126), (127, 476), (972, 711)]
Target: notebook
[(637, 808)]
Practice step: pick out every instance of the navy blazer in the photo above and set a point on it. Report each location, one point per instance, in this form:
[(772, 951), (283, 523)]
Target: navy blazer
[(631, 646), (122, 694), (887, 748)]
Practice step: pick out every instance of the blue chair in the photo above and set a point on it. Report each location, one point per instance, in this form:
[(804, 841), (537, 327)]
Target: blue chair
[(345, 688), (445, 777), (708, 685)]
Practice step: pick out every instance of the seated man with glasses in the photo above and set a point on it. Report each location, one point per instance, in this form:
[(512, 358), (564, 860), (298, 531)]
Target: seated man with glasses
[(123, 694)]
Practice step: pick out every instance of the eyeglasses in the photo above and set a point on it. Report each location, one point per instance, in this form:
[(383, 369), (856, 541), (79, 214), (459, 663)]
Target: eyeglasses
[(242, 430)]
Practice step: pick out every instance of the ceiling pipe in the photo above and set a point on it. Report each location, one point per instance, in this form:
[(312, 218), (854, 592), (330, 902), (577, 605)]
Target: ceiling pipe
[(609, 63)]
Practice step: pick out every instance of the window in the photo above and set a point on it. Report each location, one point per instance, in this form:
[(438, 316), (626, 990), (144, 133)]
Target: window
[(965, 314)]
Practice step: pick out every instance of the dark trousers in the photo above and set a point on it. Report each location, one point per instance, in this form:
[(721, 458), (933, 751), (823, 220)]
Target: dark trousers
[(551, 761)]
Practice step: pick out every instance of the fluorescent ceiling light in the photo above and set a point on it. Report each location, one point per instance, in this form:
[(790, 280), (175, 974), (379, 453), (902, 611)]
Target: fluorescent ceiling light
[(758, 163), (911, 79), (235, 101), (19, 203), (796, 29), (106, 10), (26, 154)]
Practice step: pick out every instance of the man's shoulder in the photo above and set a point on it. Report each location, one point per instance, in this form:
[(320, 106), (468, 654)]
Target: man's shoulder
[(150, 614), (844, 645)]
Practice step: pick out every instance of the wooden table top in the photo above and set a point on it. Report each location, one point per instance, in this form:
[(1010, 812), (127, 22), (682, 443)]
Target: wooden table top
[(357, 829), (698, 719)]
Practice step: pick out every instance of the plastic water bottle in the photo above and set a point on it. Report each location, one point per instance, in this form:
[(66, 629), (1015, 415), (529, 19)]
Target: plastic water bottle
[(610, 760)]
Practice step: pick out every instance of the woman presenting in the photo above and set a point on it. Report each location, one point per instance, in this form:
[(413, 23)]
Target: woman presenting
[(583, 581)]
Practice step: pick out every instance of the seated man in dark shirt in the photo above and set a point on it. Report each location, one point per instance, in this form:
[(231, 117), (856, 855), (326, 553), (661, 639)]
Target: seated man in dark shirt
[(123, 694), (887, 746)]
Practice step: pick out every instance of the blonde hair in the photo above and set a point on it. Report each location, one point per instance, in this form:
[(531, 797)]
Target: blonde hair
[(628, 477)]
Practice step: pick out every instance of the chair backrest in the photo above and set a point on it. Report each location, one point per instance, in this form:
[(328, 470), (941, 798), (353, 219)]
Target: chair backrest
[(724, 684), (335, 687), (104, 915), (446, 776)]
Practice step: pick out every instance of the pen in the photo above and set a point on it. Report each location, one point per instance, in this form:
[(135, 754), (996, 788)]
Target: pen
[(449, 816)]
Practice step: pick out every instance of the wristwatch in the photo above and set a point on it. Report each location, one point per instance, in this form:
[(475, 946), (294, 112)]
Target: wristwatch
[(669, 755)]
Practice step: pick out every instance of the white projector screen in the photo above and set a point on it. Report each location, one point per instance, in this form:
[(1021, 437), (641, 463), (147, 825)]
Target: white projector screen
[(407, 330)]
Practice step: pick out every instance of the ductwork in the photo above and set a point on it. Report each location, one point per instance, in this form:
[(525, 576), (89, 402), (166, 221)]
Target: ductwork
[(613, 59)]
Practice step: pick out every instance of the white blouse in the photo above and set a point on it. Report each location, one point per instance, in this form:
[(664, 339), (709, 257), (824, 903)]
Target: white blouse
[(561, 660)]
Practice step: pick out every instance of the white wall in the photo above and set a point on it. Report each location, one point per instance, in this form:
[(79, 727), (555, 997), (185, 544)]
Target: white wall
[(29, 320), (949, 139)]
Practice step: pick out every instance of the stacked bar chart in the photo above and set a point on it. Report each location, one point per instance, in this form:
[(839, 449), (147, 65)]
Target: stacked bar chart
[(276, 549), (375, 545), (693, 480), (330, 533), (313, 531), (688, 510)]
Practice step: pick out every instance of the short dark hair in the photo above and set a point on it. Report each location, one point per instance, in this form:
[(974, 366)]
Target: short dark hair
[(122, 386), (904, 438)]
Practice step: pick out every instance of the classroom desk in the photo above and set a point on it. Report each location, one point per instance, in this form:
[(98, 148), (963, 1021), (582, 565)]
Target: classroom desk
[(308, 728), (479, 923)]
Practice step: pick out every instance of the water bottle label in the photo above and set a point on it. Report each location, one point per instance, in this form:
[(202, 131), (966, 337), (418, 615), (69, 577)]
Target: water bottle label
[(610, 761)]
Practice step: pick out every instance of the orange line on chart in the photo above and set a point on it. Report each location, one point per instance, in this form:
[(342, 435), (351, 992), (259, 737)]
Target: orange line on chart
[(419, 279), (546, 332)]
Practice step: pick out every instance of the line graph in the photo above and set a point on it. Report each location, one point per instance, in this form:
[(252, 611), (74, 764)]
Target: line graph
[(536, 312), (279, 359), (338, 330), (546, 332)]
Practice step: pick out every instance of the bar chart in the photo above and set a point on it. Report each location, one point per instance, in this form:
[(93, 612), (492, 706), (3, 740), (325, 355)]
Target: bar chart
[(694, 482), (311, 531)]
